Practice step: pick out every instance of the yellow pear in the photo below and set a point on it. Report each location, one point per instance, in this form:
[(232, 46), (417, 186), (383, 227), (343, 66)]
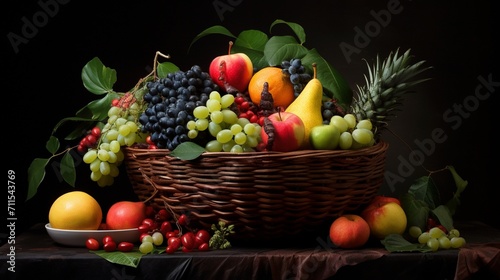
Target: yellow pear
[(308, 106)]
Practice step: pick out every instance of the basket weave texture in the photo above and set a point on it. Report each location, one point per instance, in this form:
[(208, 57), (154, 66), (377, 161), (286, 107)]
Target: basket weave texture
[(264, 194)]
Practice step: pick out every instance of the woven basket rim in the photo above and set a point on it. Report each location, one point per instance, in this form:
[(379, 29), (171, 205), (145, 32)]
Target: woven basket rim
[(376, 148)]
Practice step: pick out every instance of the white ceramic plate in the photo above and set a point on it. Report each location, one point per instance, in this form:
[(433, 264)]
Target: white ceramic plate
[(77, 238)]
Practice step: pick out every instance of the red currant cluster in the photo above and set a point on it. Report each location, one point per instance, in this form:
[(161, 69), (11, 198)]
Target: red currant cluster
[(124, 101), (161, 229), (247, 109), (90, 140)]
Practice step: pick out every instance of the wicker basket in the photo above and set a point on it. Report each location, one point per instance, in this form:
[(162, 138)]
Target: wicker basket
[(264, 194)]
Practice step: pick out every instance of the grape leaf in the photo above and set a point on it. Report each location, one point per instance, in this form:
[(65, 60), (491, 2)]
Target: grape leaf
[(443, 214), (131, 258), (124, 258), (417, 211), (461, 184), (397, 243), (187, 151), (36, 173), (97, 78), (424, 189)]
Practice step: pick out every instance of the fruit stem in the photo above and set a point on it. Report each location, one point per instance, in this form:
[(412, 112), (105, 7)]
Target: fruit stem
[(156, 61), (314, 70), (230, 46)]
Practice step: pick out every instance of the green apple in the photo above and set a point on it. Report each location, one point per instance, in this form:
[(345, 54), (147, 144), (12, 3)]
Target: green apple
[(324, 137)]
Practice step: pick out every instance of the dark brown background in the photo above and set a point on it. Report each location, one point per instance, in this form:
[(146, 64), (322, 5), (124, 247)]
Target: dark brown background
[(42, 84)]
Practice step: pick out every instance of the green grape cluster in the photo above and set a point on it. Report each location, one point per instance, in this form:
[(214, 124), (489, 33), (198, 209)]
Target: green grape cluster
[(354, 134), (230, 133), (120, 130), (436, 239)]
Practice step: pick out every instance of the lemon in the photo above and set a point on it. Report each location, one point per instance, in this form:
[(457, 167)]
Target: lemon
[(75, 210)]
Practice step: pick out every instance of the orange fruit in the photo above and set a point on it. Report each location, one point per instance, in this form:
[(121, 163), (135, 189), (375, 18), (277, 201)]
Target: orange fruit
[(75, 210), (280, 86)]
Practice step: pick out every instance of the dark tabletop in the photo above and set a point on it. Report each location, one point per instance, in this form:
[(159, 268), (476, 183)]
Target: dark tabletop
[(36, 255)]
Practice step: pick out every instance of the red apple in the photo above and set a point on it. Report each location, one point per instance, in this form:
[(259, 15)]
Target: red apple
[(125, 215), (382, 199), (349, 231), (289, 132), (231, 72), (385, 216)]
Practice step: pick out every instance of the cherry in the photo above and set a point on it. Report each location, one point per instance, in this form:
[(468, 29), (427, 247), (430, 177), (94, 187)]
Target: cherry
[(183, 220), (188, 240), (106, 239), (165, 227), (143, 228), (162, 215), (150, 223), (109, 246), (203, 235), (150, 211), (204, 247), (125, 246), (92, 244)]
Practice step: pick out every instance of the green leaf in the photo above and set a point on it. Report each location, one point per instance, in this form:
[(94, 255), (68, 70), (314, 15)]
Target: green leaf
[(52, 144), (264, 51), (187, 151), (165, 68), (217, 29), (397, 243), (73, 119), (334, 84), (124, 258), (461, 184), (417, 211), (97, 78), (443, 214), (252, 43), (68, 171), (280, 48), (100, 107), (250, 40), (36, 173), (424, 189), (297, 29), (79, 129)]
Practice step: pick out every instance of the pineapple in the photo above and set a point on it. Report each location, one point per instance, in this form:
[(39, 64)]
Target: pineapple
[(387, 82)]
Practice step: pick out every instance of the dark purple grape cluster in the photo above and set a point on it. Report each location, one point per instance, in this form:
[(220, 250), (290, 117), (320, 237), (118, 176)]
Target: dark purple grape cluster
[(329, 108), (171, 101), (294, 69)]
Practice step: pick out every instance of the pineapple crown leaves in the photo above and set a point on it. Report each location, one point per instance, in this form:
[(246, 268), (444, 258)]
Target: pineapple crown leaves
[(387, 82)]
